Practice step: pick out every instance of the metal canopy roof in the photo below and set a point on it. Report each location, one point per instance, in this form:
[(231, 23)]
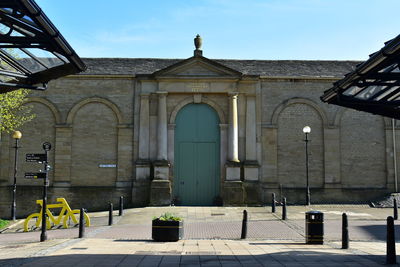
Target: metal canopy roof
[(32, 50), (374, 86)]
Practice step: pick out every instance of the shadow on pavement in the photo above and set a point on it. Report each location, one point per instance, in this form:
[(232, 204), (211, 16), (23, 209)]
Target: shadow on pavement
[(133, 240), (279, 243), (378, 232), (145, 258)]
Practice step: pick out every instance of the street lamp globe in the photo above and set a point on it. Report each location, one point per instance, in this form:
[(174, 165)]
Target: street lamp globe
[(17, 135), (307, 129)]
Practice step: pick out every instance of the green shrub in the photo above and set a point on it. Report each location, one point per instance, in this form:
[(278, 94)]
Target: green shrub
[(3, 223), (168, 217)]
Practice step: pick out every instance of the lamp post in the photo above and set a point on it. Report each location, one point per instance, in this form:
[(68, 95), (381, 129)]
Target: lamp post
[(306, 131), (46, 148), (16, 135)]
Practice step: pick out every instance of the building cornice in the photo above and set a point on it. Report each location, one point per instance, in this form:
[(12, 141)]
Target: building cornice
[(252, 78), (299, 78), (101, 76)]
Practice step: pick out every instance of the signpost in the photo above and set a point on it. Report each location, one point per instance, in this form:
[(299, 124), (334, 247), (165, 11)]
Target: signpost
[(42, 159), (39, 158), (35, 175)]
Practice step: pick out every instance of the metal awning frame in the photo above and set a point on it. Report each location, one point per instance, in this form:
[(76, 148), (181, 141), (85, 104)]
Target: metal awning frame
[(374, 86), (24, 26)]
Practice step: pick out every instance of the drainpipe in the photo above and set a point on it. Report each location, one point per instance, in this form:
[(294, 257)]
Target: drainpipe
[(394, 156)]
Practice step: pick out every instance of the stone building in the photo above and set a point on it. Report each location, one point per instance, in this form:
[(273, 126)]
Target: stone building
[(199, 132)]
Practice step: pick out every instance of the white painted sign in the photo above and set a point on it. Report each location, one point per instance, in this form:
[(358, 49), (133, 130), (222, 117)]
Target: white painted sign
[(107, 165)]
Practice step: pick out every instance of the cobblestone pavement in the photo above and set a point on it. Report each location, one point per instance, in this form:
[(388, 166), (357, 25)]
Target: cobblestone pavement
[(211, 239), (280, 230), (365, 223)]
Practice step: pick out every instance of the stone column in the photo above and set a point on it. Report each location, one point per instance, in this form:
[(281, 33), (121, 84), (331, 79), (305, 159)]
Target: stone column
[(233, 148), (162, 127), (224, 147), (233, 164), (160, 190), (251, 165), (143, 163), (144, 130)]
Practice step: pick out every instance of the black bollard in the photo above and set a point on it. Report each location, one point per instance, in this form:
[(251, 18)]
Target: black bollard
[(273, 204), (121, 206), (244, 225), (395, 209), (345, 232), (110, 215), (82, 223), (390, 242), (284, 209)]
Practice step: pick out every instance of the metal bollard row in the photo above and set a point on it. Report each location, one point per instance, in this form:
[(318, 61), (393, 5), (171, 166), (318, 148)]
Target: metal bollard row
[(283, 203), (273, 203), (244, 225), (110, 214), (121, 206), (82, 223), (345, 232), (284, 215), (390, 242)]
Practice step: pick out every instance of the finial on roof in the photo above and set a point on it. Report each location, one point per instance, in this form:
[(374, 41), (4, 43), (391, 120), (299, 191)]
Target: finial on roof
[(197, 43)]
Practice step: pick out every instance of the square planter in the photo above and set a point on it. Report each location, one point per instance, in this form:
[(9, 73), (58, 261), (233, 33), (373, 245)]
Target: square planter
[(166, 230)]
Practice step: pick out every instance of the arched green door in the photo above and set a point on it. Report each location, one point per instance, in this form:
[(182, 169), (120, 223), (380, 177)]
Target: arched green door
[(197, 145)]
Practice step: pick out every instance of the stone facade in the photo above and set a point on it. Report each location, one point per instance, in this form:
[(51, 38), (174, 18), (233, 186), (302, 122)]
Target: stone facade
[(112, 130)]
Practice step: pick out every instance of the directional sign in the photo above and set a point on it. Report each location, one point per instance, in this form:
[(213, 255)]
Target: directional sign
[(35, 175), (36, 157)]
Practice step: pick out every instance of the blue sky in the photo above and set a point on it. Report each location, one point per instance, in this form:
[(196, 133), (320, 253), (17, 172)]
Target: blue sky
[(232, 29)]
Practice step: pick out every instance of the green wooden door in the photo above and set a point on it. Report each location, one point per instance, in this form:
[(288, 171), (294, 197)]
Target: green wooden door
[(197, 169)]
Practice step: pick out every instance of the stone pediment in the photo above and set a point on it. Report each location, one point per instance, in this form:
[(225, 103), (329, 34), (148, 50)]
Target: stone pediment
[(198, 67)]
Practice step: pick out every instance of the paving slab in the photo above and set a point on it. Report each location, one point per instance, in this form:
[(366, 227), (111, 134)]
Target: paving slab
[(212, 238), (109, 252)]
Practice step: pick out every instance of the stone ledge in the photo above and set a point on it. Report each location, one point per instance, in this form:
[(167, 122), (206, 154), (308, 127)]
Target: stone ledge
[(120, 184), (143, 162), (61, 184), (233, 164), (161, 163), (251, 163)]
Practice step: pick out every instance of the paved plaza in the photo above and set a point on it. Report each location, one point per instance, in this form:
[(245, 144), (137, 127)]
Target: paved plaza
[(211, 238)]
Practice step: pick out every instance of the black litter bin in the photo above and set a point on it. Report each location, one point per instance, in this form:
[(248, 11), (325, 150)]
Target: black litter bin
[(314, 227)]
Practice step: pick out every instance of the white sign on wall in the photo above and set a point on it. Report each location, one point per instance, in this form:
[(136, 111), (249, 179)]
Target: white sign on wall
[(107, 165)]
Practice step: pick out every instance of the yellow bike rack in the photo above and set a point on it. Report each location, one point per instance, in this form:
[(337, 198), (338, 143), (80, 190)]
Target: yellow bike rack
[(65, 214)]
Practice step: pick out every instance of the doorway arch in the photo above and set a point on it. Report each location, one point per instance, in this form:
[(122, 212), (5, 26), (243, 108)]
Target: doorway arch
[(197, 155)]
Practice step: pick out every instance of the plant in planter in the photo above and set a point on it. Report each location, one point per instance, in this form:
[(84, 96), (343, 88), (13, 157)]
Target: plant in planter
[(167, 227)]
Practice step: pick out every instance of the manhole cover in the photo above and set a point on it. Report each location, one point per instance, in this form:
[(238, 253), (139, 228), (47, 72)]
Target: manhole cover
[(79, 248), (217, 214)]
